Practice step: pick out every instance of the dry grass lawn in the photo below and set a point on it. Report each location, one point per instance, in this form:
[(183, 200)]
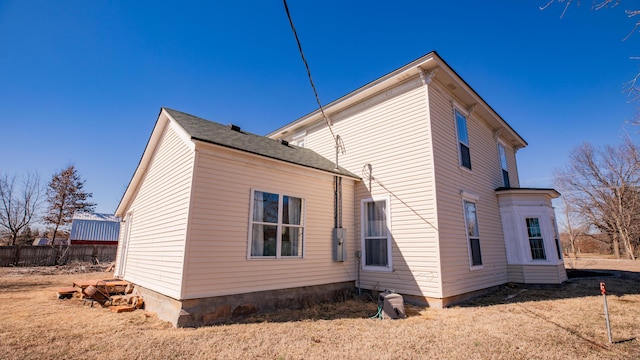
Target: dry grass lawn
[(566, 322)]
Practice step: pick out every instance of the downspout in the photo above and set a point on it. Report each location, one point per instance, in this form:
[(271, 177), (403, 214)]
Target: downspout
[(338, 232), (338, 193)]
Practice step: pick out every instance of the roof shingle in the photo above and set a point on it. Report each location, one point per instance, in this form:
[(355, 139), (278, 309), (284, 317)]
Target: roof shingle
[(215, 133)]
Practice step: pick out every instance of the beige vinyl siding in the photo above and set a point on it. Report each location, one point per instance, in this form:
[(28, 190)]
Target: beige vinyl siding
[(537, 274), (481, 181), (516, 274), (217, 249), (391, 132), (160, 209)]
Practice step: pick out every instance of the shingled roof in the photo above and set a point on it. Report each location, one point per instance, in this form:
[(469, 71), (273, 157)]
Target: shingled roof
[(215, 133)]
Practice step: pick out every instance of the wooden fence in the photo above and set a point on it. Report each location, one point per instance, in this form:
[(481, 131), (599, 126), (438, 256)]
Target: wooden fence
[(48, 255)]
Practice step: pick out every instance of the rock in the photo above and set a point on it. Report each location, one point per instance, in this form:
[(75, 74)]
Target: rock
[(244, 310), (121, 308)]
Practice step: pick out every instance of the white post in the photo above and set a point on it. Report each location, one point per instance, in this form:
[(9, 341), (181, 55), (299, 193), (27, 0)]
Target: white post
[(606, 310)]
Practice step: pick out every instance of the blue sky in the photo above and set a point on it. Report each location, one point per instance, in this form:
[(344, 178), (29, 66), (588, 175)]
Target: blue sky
[(82, 82)]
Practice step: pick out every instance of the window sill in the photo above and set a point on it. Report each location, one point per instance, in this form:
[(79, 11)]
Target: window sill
[(377, 268), (464, 168), (476, 267), (542, 262), (264, 258)]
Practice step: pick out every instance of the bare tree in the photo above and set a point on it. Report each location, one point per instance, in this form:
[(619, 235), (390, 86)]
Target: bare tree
[(18, 203), (604, 187), (65, 195), (596, 5), (631, 87), (574, 224)]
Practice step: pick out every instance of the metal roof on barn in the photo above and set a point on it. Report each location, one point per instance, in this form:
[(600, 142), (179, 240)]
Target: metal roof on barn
[(47, 241), (95, 227)]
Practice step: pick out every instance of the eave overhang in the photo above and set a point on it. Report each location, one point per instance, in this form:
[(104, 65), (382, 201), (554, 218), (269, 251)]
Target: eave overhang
[(545, 192)]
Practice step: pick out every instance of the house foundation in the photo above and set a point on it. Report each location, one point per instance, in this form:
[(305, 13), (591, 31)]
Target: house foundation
[(441, 303), (221, 309)]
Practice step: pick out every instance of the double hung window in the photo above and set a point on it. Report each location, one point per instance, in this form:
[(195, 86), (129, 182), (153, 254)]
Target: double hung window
[(299, 139), (473, 236), (503, 164), (376, 240), (463, 140), (277, 228), (535, 239)]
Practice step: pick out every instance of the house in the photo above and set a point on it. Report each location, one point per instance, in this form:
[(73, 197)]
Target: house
[(94, 229), (420, 195), (213, 212)]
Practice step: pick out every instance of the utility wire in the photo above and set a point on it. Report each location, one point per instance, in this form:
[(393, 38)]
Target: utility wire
[(315, 92)]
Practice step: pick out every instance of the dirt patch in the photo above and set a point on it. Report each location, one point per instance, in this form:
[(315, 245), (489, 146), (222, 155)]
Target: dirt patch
[(572, 274)]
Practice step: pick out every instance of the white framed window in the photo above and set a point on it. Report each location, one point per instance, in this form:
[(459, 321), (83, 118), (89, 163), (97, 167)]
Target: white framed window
[(299, 139), (556, 238), (464, 154), (502, 153), (376, 236), (276, 226), (473, 235), (536, 243)]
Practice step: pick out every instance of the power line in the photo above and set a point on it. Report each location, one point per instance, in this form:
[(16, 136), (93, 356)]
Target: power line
[(306, 65)]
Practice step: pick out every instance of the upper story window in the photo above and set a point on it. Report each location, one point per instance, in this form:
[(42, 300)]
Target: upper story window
[(299, 139), (276, 224), (473, 236), (375, 234), (503, 164), (463, 140), (535, 239)]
